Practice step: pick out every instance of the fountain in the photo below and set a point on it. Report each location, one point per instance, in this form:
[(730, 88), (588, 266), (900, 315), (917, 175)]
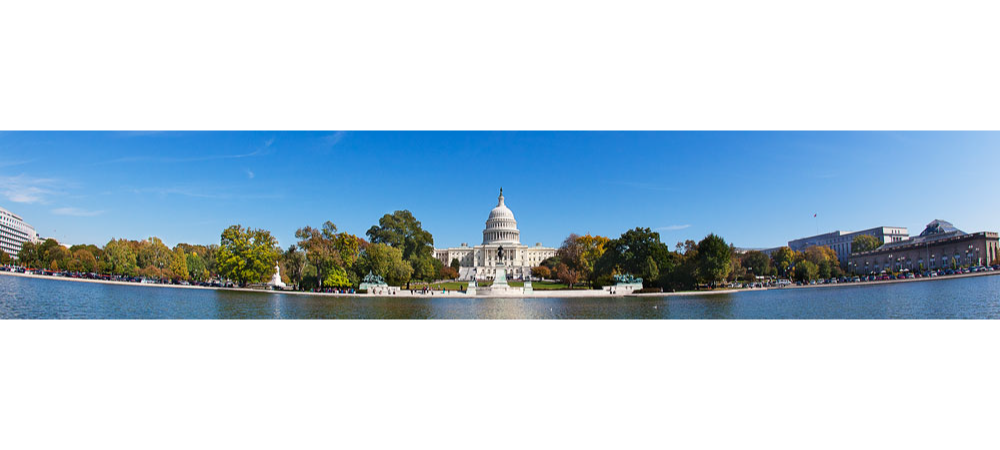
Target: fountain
[(276, 282)]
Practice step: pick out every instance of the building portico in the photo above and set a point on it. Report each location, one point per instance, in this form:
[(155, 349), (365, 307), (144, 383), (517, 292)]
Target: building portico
[(480, 262)]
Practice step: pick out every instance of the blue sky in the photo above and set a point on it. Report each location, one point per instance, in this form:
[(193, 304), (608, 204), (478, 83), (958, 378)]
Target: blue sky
[(756, 189)]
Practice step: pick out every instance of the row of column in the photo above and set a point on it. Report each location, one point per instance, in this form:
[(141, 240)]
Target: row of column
[(504, 236)]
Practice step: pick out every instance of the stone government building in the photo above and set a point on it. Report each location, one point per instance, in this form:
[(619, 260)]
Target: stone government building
[(939, 246), (843, 241), (480, 262)]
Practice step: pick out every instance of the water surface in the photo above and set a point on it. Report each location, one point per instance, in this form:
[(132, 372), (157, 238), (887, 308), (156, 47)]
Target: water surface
[(961, 298)]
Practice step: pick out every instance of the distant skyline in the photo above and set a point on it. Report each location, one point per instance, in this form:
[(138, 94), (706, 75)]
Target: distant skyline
[(756, 189)]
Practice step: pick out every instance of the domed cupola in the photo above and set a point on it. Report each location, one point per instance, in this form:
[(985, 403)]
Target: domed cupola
[(501, 228)]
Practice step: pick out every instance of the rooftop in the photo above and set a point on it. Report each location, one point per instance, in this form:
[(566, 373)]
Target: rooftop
[(935, 231)]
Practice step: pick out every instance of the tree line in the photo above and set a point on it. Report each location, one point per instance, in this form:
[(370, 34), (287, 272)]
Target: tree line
[(595, 260), (397, 248), (711, 262), (149, 258), (400, 250)]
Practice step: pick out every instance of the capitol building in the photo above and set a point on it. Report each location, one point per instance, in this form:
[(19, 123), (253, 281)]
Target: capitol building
[(480, 262)]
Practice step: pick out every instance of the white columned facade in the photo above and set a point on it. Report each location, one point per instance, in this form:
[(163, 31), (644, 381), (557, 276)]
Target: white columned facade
[(480, 261)]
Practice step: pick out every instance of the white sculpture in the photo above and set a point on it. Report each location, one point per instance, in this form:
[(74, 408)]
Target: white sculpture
[(276, 279)]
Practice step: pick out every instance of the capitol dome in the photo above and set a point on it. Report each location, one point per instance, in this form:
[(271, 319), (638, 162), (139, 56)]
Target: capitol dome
[(501, 228)]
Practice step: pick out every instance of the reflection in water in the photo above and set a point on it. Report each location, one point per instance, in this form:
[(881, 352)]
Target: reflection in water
[(968, 298)]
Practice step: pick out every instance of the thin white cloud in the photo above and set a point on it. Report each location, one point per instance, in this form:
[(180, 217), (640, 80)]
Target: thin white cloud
[(15, 163), (673, 228), (204, 192), (167, 160), (26, 189), (250, 174), (334, 139), (263, 150), (76, 212)]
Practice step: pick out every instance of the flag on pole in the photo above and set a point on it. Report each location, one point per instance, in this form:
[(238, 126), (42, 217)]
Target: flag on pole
[(815, 215)]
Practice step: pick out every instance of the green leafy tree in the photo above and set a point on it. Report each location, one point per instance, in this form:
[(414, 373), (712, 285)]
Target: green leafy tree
[(865, 243), (819, 254), (387, 262), (178, 265), (196, 267), (293, 264), (401, 230), (628, 254), (58, 257), (153, 253), (5, 259), (783, 259), (211, 264), (74, 266), (320, 249), (756, 263), (336, 278), (46, 251), (120, 258), (806, 271), (438, 267), (581, 254), (455, 264), (685, 273), (824, 269), (423, 268), (84, 261), (591, 251), (29, 256), (714, 257), (93, 249), (551, 263), (650, 270), (247, 255), (349, 248)]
